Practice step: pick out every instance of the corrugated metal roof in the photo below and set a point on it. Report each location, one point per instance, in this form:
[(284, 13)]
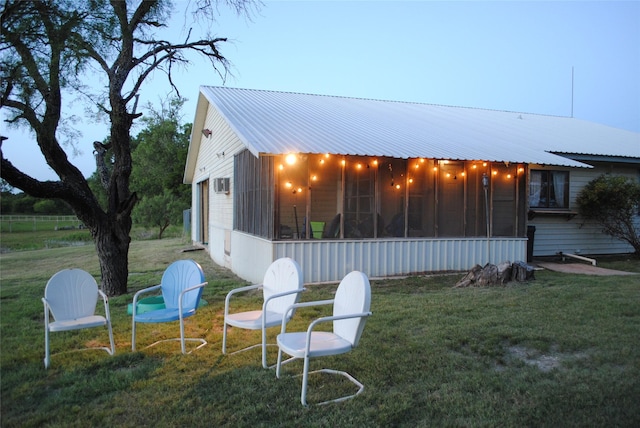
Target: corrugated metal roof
[(271, 122)]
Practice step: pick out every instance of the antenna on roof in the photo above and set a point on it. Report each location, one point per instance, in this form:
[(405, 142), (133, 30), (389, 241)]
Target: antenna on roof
[(571, 91)]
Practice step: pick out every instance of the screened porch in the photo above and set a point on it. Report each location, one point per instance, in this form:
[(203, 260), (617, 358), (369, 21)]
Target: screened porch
[(325, 196)]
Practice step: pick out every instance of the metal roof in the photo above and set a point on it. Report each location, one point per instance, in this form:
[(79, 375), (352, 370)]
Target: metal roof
[(271, 122)]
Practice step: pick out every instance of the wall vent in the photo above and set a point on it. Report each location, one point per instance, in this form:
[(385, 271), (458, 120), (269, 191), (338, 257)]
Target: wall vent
[(221, 185)]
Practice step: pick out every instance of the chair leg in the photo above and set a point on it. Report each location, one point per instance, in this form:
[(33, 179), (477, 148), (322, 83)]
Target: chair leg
[(264, 348), (182, 347), (305, 379), (224, 337), (278, 363), (133, 334), (47, 358), (113, 346), (345, 374), (263, 345), (182, 339)]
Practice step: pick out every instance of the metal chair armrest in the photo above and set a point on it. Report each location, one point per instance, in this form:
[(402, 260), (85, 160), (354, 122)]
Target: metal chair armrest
[(47, 309), (302, 305), (235, 291), (139, 292), (285, 293), (105, 300), (186, 290), (328, 319)]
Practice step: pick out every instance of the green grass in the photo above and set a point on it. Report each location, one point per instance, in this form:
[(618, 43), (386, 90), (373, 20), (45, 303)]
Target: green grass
[(561, 350), (27, 235)]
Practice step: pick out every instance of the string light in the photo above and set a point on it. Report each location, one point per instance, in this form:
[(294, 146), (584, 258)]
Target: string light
[(292, 158)]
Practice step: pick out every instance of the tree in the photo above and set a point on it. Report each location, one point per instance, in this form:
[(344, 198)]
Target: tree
[(158, 159), (614, 203), (48, 47), (160, 211)]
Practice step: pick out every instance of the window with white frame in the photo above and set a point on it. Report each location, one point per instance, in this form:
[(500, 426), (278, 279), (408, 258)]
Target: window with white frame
[(549, 189)]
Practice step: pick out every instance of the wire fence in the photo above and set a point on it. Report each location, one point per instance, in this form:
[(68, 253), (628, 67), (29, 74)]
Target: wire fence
[(34, 223)]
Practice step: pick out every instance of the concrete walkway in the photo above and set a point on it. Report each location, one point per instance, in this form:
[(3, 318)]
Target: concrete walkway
[(583, 269)]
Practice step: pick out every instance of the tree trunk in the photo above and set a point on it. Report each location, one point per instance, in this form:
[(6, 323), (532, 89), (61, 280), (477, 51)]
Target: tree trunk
[(112, 245), (114, 259)]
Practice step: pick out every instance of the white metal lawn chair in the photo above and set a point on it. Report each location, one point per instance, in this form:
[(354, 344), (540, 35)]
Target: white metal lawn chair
[(181, 285), (70, 298), (351, 306), (281, 287)]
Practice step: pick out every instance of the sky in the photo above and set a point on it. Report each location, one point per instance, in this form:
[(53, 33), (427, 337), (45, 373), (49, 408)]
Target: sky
[(579, 58)]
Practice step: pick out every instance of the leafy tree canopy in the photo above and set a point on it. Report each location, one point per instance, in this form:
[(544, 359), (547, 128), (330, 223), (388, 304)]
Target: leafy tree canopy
[(613, 202), (158, 167), (102, 51)]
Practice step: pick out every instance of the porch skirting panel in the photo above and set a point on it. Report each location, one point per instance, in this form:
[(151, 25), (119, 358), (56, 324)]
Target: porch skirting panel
[(331, 260)]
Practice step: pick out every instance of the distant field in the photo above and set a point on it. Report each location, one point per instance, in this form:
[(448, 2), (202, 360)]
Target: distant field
[(35, 223), (20, 233)]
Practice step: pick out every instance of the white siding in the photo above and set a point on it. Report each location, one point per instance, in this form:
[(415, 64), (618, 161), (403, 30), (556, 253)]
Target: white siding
[(577, 236), (251, 256), (215, 159)]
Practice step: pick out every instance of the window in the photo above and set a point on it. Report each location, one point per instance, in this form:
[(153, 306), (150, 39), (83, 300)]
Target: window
[(549, 189)]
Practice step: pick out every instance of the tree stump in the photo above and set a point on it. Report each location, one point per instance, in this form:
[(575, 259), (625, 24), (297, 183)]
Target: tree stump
[(490, 274)]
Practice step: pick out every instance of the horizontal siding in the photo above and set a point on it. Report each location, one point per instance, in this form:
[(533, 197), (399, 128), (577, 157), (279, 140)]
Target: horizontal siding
[(215, 159), (557, 234), (554, 235)]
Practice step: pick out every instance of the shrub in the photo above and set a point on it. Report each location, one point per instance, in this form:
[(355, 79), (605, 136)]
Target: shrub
[(613, 202)]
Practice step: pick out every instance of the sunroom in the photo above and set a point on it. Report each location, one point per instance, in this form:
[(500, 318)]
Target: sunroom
[(326, 196)]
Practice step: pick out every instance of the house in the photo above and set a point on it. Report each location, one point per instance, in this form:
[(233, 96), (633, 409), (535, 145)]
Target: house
[(390, 188)]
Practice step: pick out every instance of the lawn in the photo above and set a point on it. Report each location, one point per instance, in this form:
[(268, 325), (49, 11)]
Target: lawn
[(561, 350)]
